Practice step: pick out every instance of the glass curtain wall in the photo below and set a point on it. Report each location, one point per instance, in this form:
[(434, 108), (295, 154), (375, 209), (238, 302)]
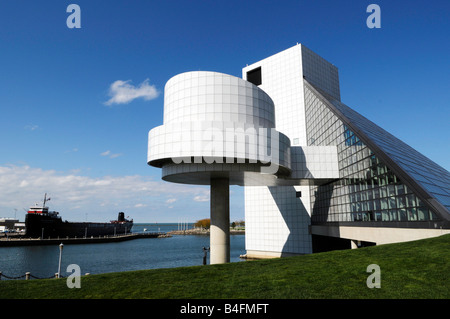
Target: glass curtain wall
[(367, 189)]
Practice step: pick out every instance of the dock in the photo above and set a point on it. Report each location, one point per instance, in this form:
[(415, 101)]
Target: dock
[(11, 241)]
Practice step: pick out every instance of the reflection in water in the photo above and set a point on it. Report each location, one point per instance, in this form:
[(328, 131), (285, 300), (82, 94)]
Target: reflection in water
[(146, 253)]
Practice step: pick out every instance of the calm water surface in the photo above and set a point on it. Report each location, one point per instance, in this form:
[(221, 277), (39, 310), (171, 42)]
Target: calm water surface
[(137, 254)]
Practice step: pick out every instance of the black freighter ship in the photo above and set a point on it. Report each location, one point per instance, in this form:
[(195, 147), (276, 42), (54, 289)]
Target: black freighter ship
[(40, 222)]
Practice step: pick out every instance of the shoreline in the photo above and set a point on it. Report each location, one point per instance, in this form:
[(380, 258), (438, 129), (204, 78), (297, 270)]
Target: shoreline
[(198, 231), (10, 242)]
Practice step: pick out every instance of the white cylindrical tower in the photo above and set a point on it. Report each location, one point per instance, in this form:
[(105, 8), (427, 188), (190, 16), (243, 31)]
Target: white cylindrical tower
[(218, 130)]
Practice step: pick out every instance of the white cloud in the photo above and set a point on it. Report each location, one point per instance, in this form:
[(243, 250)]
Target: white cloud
[(122, 92), (201, 198), (31, 127), (108, 153), (74, 195)]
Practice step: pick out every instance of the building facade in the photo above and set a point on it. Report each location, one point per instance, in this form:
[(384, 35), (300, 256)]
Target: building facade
[(386, 191), (317, 174)]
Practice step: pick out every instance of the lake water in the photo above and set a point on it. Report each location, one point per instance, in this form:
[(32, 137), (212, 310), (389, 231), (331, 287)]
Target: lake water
[(137, 254)]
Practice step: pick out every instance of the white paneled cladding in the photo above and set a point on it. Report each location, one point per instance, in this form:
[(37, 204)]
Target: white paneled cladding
[(211, 96), (214, 118), (277, 220)]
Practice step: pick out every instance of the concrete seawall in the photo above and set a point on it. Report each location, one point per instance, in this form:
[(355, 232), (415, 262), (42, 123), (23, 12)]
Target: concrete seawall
[(197, 231), (15, 241)]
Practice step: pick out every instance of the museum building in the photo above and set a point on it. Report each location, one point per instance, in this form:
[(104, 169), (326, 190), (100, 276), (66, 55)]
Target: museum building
[(340, 181)]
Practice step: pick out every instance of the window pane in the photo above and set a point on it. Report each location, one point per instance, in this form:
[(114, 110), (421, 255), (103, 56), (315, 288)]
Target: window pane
[(422, 213), (412, 214)]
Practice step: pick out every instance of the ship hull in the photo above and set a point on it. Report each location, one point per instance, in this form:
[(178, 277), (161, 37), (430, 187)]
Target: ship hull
[(44, 226)]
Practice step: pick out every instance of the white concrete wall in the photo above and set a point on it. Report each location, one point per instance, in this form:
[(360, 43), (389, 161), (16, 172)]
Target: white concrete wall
[(321, 73), (276, 220), (378, 235), (314, 162), (282, 79)]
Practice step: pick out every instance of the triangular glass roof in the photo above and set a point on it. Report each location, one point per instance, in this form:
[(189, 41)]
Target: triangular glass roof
[(428, 180)]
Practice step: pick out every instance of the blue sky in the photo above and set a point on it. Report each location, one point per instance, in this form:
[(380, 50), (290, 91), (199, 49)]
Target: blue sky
[(58, 135)]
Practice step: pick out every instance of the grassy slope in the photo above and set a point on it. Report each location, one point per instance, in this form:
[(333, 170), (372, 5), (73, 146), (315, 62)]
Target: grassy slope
[(418, 269)]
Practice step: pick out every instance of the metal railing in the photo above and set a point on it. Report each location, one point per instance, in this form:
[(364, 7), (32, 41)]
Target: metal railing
[(28, 276)]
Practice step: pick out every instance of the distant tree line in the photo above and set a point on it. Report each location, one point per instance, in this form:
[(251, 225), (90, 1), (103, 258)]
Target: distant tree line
[(203, 223), (206, 223), (238, 223)]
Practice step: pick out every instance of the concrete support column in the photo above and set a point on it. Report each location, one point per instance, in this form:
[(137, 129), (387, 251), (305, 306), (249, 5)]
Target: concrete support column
[(220, 221)]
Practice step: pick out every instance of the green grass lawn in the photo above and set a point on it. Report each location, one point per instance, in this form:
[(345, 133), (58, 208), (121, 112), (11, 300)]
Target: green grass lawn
[(411, 270)]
